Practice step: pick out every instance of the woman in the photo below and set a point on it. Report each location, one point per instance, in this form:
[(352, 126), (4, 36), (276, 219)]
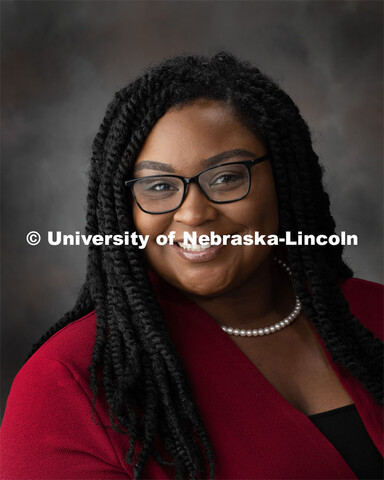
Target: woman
[(227, 361)]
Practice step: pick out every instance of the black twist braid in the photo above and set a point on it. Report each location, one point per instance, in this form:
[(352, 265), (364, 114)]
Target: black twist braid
[(139, 302), (345, 337), (143, 378)]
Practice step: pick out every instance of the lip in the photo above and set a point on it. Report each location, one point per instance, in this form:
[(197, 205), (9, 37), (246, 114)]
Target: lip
[(198, 257)]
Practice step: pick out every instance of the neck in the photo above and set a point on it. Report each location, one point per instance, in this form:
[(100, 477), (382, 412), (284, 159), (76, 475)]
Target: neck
[(264, 299)]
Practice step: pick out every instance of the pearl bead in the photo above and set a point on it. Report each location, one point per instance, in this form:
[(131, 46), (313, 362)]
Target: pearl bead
[(273, 328)]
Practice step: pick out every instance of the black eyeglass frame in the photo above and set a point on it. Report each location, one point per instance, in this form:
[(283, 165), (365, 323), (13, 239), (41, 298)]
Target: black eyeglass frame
[(195, 179)]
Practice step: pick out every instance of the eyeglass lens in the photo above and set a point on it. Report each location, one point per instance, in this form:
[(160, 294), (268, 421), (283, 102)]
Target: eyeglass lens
[(161, 193)]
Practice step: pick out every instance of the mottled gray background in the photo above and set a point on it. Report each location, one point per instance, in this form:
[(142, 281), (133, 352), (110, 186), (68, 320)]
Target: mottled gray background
[(61, 64)]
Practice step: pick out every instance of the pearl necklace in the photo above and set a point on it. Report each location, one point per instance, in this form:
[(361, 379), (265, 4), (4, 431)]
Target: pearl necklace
[(272, 328)]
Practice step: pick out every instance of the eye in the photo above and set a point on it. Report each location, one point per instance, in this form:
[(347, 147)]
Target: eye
[(226, 178), (161, 187)]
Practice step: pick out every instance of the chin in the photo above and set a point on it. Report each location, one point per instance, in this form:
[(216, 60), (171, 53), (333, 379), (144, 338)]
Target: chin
[(208, 291), (204, 285)]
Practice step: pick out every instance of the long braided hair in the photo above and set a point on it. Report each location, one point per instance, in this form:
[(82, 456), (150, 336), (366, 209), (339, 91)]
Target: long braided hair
[(137, 363)]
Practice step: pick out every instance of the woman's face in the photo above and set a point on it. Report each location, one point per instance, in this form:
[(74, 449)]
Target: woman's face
[(182, 141)]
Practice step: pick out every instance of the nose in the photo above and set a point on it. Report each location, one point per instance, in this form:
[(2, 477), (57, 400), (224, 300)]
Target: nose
[(196, 208)]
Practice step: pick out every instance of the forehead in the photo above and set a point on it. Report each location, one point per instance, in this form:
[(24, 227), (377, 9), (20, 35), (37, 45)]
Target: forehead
[(196, 131)]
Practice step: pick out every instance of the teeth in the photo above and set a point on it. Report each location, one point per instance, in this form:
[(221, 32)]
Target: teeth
[(193, 248)]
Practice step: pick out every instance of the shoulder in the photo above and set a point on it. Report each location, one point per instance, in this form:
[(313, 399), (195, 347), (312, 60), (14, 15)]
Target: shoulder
[(72, 346), (48, 415), (63, 360), (366, 302)]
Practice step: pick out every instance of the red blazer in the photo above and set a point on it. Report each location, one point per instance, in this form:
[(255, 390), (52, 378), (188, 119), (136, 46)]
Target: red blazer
[(48, 433)]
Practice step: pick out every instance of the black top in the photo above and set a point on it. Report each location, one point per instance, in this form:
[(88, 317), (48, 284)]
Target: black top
[(344, 428)]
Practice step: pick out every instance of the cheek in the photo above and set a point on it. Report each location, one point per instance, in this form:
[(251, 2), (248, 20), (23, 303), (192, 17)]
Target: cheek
[(269, 215), (152, 225), (147, 224), (260, 212), (267, 208)]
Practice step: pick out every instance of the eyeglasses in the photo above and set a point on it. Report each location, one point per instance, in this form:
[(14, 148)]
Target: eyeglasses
[(226, 183)]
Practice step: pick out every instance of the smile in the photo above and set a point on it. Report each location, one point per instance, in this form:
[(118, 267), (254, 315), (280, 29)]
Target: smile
[(196, 253), (193, 248)]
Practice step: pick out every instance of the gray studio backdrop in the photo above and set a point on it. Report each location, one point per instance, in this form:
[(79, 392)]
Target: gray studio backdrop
[(61, 64)]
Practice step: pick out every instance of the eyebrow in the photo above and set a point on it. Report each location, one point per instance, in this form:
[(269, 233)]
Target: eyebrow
[(209, 162)]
